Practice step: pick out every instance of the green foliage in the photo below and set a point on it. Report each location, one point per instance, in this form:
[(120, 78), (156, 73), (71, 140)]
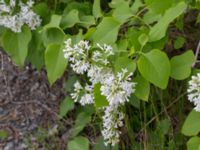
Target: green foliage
[(42, 9), (36, 50), (97, 13), (53, 36), (124, 62), (55, 62), (193, 143), (66, 105), (142, 90), (70, 19), (82, 120), (16, 44), (107, 31), (54, 22), (191, 125), (143, 39), (78, 143), (122, 12), (159, 30), (100, 100), (155, 68), (179, 42), (181, 65), (99, 145), (138, 32)]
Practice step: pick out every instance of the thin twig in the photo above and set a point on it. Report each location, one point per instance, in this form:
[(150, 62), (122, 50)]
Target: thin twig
[(196, 55)]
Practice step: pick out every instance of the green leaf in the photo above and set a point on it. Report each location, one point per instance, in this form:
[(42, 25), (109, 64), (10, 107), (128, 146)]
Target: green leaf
[(143, 39), (54, 22), (132, 35), (86, 21), (53, 36), (89, 33), (16, 44), (163, 127), (179, 42), (122, 12), (69, 84), (70, 19), (122, 45), (42, 10), (66, 105), (159, 30), (4, 134), (55, 62), (159, 7), (150, 17), (82, 120), (193, 143), (181, 65), (142, 88), (116, 3), (97, 9), (99, 99), (36, 50), (99, 145), (136, 5), (191, 125), (78, 143), (107, 31), (84, 8), (155, 68), (124, 63)]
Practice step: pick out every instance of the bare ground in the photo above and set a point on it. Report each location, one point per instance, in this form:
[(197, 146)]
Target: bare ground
[(27, 102)]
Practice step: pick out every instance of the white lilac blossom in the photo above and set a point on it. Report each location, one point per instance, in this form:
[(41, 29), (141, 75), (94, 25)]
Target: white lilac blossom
[(102, 54), (15, 21), (194, 91), (98, 74), (112, 120), (77, 91), (116, 88), (28, 16), (77, 55), (88, 97)]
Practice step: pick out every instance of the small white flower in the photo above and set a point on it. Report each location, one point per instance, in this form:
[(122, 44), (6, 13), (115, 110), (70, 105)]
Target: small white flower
[(17, 20), (77, 55), (87, 99), (118, 89), (194, 91), (77, 90), (112, 120), (100, 55)]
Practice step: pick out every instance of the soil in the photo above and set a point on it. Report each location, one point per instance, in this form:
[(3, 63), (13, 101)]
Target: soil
[(27, 102)]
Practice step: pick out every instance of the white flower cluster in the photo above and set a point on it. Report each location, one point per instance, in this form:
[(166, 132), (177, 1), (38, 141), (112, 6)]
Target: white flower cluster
[(116, 88), (77, 55), (15, 21), (112, 120), (87, 98), (194, 91)]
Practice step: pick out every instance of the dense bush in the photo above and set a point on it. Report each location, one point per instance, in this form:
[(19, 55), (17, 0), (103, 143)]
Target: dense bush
[(120, 67)]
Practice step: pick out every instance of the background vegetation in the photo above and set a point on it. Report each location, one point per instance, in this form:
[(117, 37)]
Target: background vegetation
[(156, 40)]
